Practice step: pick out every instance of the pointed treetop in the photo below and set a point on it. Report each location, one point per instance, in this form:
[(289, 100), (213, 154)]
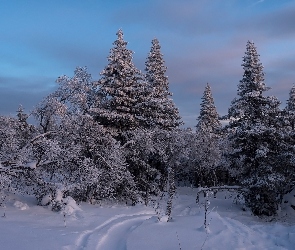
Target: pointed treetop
[(20, 109), (252, 83), (155, 51), (120, 40), (252, 106), (163, 112), (155, 42), (208, 118), (121, 84), (156, 69), (22, 117), (120, 34)]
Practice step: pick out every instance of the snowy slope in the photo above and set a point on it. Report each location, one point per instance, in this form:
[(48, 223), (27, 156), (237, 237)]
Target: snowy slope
[(116, 227)]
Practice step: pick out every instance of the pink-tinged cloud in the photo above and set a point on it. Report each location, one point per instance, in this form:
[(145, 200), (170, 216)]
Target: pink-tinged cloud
[(202, 41)]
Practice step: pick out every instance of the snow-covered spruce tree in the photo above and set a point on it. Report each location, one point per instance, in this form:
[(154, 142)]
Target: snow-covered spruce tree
[(208, 120), (138, 149), (254, 138), (156, 115), (150, 153), (122, 84), (206, 152), (158, 109), (288, 151)]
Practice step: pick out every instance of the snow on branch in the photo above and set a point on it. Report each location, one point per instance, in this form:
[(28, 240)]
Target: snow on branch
[(217, 189)]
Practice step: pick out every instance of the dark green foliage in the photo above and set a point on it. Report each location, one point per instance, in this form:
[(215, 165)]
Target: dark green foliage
[(122, 85), (158, 109), (255, 138)]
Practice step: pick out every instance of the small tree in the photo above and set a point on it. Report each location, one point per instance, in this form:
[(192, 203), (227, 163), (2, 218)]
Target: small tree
[(48, 113), (170, 150), (205, 155), (79, 92)]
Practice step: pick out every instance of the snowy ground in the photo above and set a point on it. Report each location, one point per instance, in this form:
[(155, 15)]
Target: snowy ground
[(116, 227)]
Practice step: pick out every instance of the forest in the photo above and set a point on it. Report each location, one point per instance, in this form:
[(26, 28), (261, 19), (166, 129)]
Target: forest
[(121, 138)]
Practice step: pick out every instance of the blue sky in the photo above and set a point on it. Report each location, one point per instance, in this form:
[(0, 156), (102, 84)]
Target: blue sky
[(202, 41)]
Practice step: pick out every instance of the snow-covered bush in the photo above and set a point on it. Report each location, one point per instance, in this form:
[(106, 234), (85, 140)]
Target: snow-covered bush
[(20, 205), (94, 162), (15, 153), (58, 202), (288, 203)]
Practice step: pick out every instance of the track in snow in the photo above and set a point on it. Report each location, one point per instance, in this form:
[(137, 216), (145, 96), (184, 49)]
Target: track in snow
[(112, 234)]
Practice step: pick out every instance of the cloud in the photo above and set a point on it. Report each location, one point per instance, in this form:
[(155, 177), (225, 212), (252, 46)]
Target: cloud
[(277, 24), (211, 19), (202, 41), (68, 55), (28, 92), (189, 18), (189, 73)]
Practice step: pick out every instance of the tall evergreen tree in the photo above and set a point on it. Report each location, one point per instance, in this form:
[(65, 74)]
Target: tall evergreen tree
[(288, 152), (254, 138), (122, 84), (206, 153), (159, 110)]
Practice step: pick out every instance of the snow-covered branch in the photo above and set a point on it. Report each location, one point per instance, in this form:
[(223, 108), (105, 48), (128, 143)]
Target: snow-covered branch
[(217, 189)]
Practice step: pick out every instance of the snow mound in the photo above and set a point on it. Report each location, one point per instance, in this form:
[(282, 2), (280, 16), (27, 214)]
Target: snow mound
[(288, 203), (32, 165), (71, 206), (20, 205), (66, 206), (204, 229), (46, 200), (164, 218)]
